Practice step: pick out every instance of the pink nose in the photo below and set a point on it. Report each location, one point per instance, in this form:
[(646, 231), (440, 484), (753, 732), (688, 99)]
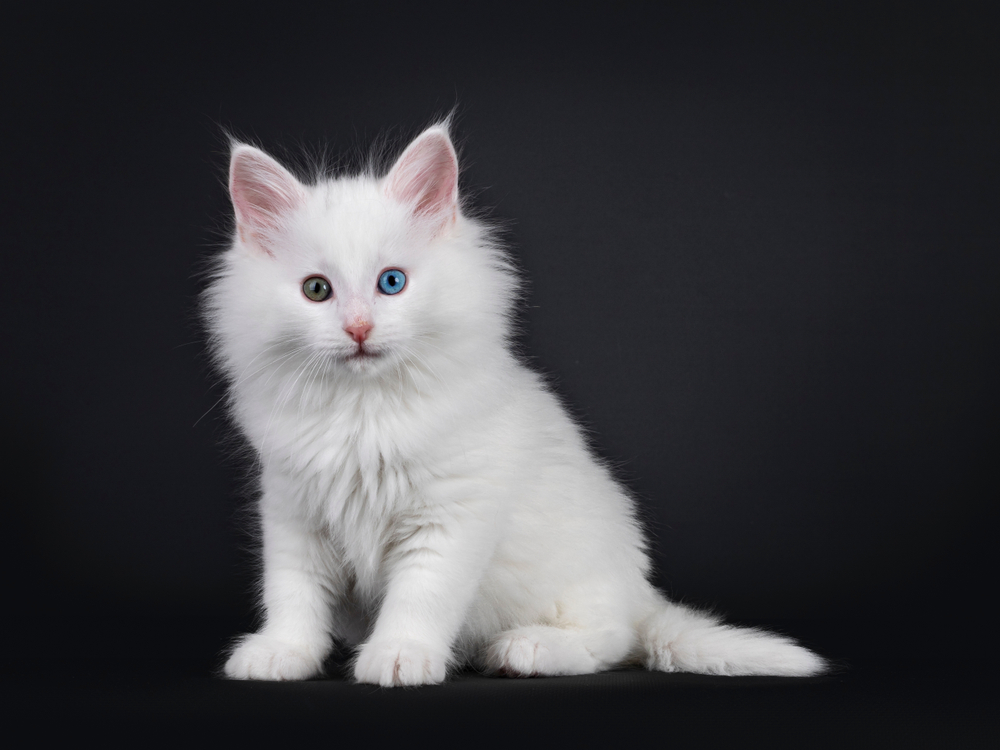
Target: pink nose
[(359, 331)]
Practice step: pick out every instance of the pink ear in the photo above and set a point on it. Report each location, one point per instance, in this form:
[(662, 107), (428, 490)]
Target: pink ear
[(426, 175), (263, 191)]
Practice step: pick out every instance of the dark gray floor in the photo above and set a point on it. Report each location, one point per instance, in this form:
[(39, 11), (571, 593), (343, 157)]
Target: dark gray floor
[(142, 703)]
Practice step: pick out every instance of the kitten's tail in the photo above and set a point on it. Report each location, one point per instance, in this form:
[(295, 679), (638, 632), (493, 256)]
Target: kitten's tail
[(675, 638)]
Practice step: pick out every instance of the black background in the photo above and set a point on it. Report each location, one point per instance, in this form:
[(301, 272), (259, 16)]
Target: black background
[(761, 248)]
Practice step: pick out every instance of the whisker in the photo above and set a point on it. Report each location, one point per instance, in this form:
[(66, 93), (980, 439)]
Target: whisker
[(241, 378), (284, 394)]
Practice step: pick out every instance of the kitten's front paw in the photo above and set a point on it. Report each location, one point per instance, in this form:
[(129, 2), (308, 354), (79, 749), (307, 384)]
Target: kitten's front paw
[(260, 657), (391, 663)]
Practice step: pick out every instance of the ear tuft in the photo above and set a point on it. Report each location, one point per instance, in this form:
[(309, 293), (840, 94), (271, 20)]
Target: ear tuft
[(426, 175), (263, 191)]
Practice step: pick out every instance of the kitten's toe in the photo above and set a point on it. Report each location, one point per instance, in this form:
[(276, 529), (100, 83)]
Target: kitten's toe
[(393, 663), (516, 655), (541, 650), (260, 657)]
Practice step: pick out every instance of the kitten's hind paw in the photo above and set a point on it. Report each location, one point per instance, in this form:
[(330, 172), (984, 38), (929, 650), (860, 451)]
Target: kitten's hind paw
[(261, 657), (541, 650), (392, 663)]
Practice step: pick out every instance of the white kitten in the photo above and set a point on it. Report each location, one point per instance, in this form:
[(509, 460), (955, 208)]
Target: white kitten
[(424, 494)]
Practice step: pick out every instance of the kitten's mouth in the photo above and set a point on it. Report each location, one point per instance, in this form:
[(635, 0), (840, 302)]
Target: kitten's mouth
[(361, 353)]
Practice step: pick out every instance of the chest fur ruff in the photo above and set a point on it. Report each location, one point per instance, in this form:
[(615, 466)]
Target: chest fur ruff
[(351, 474)]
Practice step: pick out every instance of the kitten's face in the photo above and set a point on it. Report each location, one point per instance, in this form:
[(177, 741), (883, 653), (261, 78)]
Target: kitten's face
[(353, 281), (350, 274)]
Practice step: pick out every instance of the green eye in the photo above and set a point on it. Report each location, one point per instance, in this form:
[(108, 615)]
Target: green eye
[(317, 288)]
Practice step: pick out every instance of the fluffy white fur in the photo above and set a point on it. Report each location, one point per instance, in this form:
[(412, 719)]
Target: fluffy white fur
[(424, 496)]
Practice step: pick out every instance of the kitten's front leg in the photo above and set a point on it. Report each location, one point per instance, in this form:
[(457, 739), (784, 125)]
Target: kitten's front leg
[(434, 571), (301, 579)]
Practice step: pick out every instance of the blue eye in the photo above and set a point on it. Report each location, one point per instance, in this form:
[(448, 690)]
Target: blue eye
[(392, 281)]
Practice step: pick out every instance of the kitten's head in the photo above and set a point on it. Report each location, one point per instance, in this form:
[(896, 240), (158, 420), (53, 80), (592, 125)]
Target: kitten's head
[(360, 275)]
